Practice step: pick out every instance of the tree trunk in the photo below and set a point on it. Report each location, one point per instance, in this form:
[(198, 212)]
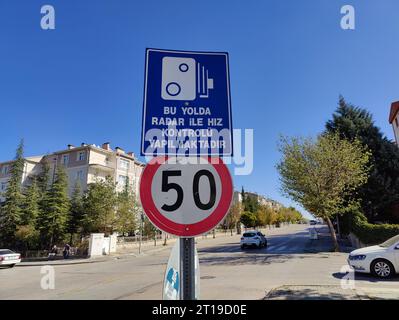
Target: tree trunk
[(238, 228), (338, 227), (333, 235), (214, 233), (231, 231)]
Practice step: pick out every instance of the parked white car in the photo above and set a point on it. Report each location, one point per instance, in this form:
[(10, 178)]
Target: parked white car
[(382, 260), (253, 238), (9, 258)]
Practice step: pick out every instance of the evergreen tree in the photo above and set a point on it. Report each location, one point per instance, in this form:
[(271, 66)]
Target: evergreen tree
[(75, 216), (381, 192), (53, 217), (10, 215), (31, 204), (27, 235), (43, 177)]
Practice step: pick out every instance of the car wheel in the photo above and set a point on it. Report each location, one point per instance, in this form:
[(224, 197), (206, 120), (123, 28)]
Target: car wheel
[(242, 247), (382, 268), (11, 265)]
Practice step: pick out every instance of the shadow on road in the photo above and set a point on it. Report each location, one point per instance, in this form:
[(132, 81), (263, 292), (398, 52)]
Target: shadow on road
[(365, 277)]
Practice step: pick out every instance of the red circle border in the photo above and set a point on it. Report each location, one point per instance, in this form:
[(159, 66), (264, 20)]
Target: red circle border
[(178, 229)]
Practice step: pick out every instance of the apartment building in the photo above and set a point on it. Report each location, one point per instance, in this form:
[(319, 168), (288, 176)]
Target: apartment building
[(85, 164), (272, 204), (32, 166), (394, 120)]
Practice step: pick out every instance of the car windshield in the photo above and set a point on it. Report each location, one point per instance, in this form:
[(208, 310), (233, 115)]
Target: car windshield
[(390, 242), (249, 234), (5, 251)]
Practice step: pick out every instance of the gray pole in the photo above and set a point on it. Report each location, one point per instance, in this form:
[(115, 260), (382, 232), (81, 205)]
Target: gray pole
[(187, 268)]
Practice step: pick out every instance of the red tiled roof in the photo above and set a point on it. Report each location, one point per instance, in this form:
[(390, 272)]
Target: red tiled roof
[(394, 111)]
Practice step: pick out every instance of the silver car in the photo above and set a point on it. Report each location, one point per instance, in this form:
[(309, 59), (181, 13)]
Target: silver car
[(9, 258)]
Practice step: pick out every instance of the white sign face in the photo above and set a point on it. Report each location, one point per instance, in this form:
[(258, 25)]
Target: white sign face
[(193, 207), (186, 196), (171, 283)]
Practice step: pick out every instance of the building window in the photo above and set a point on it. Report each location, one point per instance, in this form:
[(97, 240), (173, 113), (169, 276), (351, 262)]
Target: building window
[(5, 169), (122, 180), (396, 122), (124, 164), (65, 159), (3, 186), (81, 156), (79, 175)]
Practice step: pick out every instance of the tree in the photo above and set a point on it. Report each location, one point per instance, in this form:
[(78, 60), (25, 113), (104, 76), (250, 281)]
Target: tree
[(26, 233), (233, 217), (322, 175), (261, 216), (43, 177), (31, 209), (99, 203), (75, 216), (10, 214), (248, 219), (127, 210), (380, 194), (53, 218)]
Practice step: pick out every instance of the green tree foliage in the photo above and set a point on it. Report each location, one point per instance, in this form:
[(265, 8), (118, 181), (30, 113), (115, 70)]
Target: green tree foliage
[(53, 218), (149, 230), (250, 203), (127, 210), (321, 175), (75, 216), (99, 203), (381, 192), (248, 219), (31, 210), (27, 234), (43, 177), (10, 214)]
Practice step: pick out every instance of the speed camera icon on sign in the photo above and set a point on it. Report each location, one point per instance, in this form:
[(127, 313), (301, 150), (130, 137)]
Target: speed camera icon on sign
[(184, 79)]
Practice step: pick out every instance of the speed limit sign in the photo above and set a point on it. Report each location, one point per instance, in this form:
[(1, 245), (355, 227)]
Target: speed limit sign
[(183, 197)]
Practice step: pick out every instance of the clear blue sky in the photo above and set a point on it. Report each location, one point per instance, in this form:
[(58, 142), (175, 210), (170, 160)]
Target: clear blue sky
[(289, 61)]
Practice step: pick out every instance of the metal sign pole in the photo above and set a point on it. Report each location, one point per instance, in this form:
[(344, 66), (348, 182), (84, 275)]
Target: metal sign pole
[(187, 268)]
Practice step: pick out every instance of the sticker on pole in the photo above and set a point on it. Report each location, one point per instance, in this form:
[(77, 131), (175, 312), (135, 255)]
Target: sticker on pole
[(187, 107), (171, 283), (186, 196)]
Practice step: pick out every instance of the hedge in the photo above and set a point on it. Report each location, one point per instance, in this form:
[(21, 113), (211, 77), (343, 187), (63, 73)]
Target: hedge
[(371, 234)]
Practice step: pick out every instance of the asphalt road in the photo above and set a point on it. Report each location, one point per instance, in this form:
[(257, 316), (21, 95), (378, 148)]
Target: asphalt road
[(291, 262)]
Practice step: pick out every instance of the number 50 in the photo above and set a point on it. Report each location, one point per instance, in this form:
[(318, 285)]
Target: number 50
[(166, 186)]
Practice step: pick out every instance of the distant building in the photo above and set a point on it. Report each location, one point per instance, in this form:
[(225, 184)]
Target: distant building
[(265, 201), (237, 197), (394, 120), (85, 164)]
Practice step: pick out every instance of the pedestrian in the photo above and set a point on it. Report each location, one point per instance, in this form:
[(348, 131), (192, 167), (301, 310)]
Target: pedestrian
[(53, 252), (66, 251)]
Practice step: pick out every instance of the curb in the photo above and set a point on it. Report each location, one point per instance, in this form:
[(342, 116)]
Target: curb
[(48, 263)]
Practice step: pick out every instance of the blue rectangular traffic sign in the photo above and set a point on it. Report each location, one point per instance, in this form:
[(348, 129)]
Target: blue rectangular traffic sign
[(187, 108)]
